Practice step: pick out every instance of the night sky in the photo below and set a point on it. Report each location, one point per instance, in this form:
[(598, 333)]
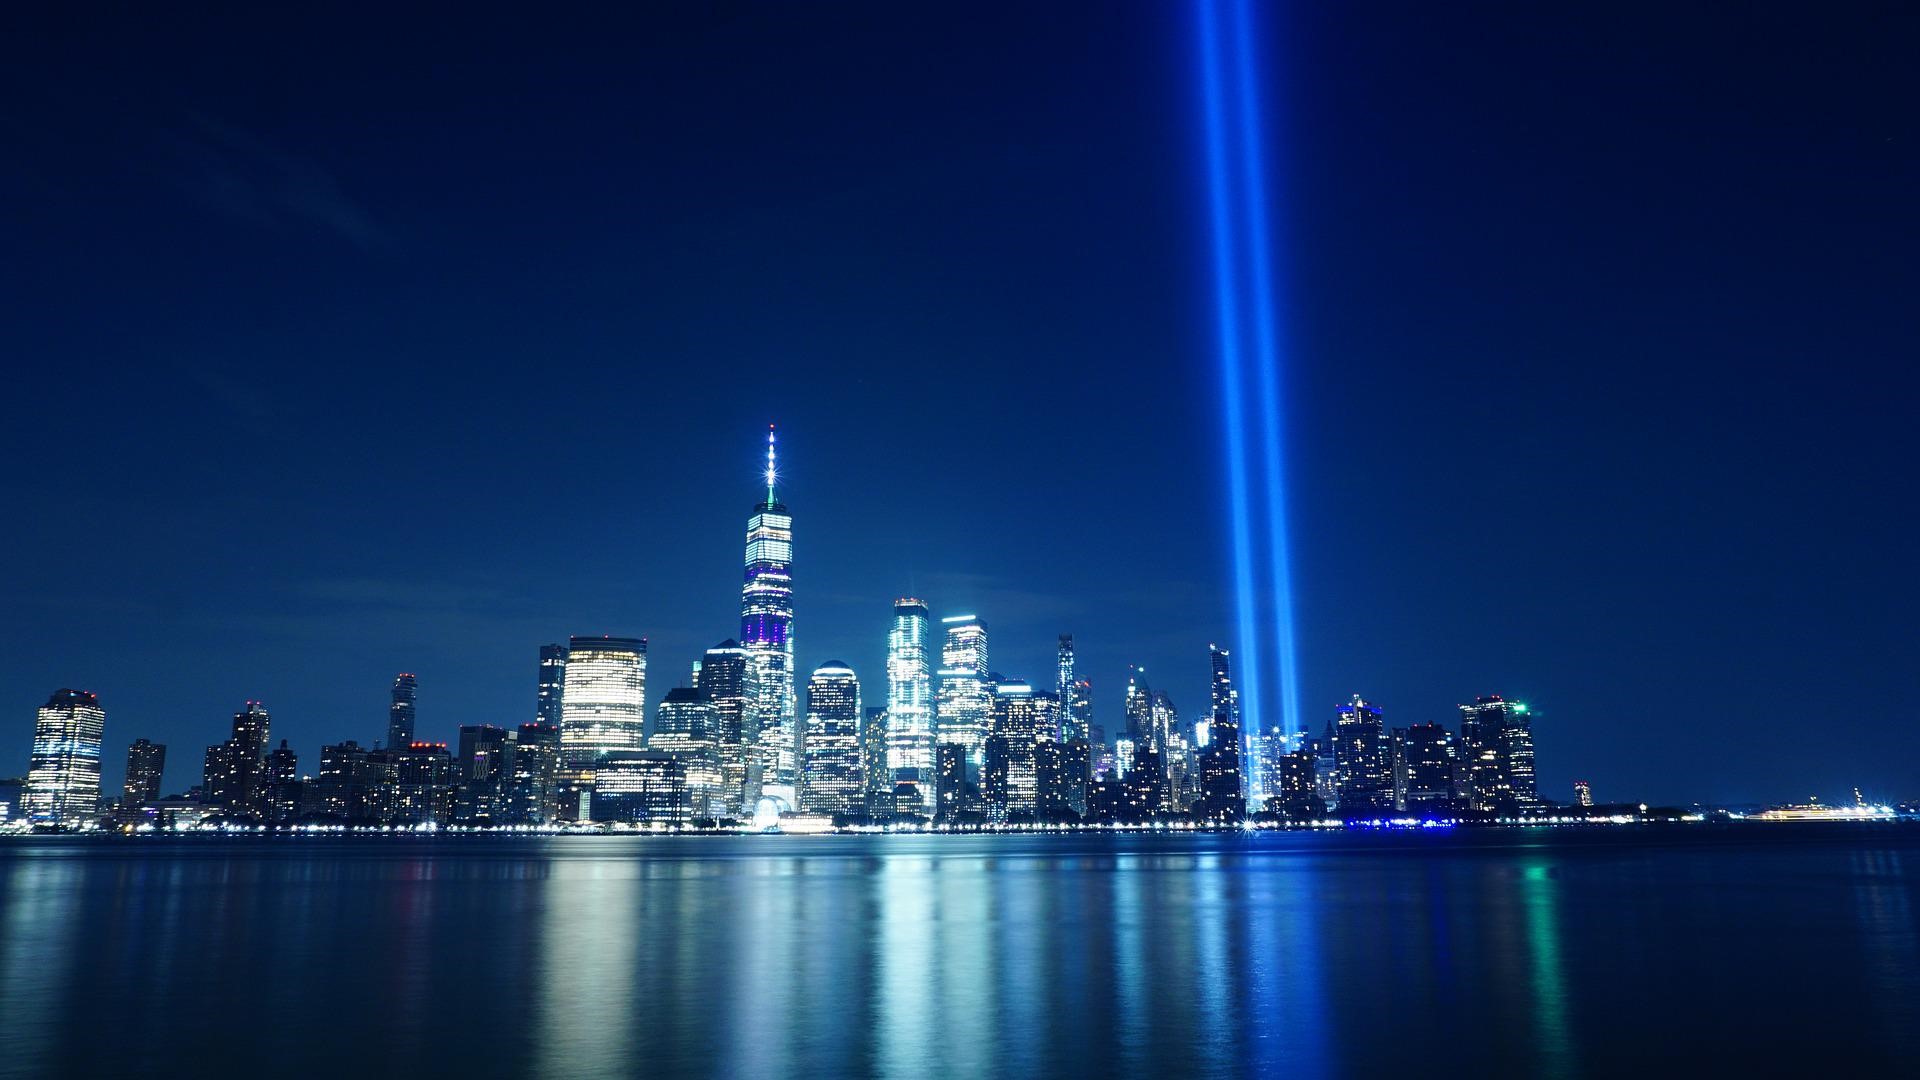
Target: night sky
[(357, 341)]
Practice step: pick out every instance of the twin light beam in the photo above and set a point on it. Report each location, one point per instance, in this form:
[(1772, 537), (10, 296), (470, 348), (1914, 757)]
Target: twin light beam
[(1248, 339)]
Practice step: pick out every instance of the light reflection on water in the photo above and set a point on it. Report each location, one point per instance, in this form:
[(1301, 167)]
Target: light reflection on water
[(1126, 956)]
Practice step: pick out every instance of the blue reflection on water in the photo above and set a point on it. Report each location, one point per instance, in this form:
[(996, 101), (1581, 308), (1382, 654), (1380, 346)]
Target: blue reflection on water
[(1127, 956)]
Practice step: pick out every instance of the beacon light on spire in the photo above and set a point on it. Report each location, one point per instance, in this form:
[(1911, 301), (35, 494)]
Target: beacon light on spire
[(772, 473)]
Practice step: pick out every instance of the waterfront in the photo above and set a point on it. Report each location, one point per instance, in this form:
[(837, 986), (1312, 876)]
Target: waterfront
[(1517, 952)]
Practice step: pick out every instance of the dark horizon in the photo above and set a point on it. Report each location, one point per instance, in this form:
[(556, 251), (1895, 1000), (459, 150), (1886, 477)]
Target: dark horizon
[(341, 354)]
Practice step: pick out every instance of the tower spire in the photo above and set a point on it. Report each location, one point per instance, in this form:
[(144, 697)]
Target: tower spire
[(771, 473)]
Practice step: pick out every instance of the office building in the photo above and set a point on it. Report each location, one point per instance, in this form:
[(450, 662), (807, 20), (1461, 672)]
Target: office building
[(766, 631), (146, 764), (1424, 761), (1364, 770), (550, 687), (640, 787), (1496, 750), (63, 773), (964, 705), (910, 715), (831, 775), (603, 704)]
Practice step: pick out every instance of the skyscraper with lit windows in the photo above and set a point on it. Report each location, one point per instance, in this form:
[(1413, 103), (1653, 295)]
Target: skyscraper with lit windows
[(1063, 691), (910, 698), (1496, 741), (830, 781), (766, 628), (1015, 730), (551, 686), (604, 706), (964, 710), (63, 775), (400, 711), (1361, 757)]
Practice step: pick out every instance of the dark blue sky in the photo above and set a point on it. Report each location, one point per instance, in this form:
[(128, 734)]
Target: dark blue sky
[(354, 342)]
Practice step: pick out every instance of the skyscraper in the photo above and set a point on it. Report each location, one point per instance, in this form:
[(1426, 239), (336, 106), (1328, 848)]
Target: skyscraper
[(1079, 714), (233, 776), (876, 775), (1222, 794), (63, 775), (400, 717), (1582, 793), (687, 726), (1015, 728), (766, 628), (551, 686), (603, 708), (910, 735), (1365, 776), (831, 776), (1224, 696), (965, 706), (1070, 723), (1496, 742), (536, 775), (726, 677), (1423, 768), (146, 763)]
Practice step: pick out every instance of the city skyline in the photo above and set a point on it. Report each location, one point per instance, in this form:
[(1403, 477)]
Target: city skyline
[(596, 685), (1574, 392)]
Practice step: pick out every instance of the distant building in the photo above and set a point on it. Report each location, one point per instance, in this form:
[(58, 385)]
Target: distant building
[(910, 713), (640, 787), (964, 708), (483, 773), (1364, 771), (1072, 725), (1299, 796), (950, 783), (1078, 719), (550, 689), (63, 776), (831, 782), (726, 677), (1425, 764), (766, 631), (535, 788), (233, 779), (1016, 721), (1496, 740), (1222, 794), (603, 706), (1582, 793), (423, 785), (146, 764), (400, 711), (875, 774)]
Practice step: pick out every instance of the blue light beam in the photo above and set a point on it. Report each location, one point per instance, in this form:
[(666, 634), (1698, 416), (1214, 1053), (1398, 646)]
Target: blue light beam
[(1247, 328), (1267, 351), (1227, 327)]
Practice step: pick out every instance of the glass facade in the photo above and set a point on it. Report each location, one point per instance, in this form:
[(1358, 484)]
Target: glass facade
[(766, 630), (964, 710), (910, 696), (831, 781), (551, 687), (400, 711), (603, 709), (63, 775)]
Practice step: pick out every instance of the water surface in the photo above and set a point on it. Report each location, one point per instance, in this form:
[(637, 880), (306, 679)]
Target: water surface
[(1516, 952)]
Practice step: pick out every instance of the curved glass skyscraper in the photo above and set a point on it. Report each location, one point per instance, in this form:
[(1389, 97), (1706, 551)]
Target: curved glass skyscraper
[(910, 697), (766, 628), (63, 780)]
